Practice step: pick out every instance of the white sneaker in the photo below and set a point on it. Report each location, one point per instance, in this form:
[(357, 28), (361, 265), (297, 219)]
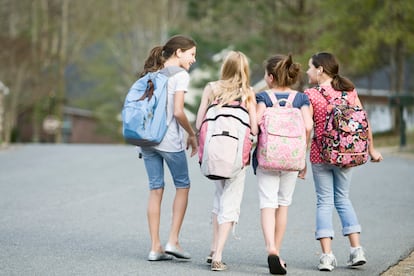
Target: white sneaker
[(357, 257), (327, 262)]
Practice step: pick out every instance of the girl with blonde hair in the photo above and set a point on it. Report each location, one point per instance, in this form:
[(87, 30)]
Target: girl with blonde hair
[(233, 85)]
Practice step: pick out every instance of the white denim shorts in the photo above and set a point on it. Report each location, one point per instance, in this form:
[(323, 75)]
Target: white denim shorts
[(275, 187), (228, 197)]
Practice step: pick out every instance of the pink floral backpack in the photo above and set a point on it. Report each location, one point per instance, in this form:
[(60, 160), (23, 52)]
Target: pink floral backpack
[(344, 140), (282, 138)]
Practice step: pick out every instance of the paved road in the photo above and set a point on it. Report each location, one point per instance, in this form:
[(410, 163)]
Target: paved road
[(81, 210)]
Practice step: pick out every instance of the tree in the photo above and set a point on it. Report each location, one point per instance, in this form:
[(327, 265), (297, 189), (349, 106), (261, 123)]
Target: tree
[(111, 64), (87, 53), (15, 59), (373, 35), (44, 37)]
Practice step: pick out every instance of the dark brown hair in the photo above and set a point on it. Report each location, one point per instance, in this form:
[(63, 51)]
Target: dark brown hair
[(331, 67)]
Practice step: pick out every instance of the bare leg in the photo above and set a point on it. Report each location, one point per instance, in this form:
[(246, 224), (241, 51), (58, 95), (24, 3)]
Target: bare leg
[(281, 221), (153, 216), (268, 221), (179, 209), (223, 232), (326, 245), (274, 223), (354, 239), (213, 247)]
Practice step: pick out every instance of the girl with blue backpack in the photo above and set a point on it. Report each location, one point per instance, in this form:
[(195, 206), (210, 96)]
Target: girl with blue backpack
[(179, 51)]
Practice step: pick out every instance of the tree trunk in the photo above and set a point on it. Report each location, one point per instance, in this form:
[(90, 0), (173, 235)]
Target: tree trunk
[(397, 81), (60, 95)]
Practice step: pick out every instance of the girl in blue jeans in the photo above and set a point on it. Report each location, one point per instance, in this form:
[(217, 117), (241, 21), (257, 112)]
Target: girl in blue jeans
[(332, 184)]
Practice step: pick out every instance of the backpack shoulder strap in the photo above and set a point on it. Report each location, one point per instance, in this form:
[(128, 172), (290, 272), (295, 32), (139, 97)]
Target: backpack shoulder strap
[(288, 101), (171, 70), (331, 100), (324, 95), (344, 98), (272, 97), (291, 98)]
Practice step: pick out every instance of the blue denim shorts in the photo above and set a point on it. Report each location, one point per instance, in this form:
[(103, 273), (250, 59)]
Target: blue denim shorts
[(154, 164)]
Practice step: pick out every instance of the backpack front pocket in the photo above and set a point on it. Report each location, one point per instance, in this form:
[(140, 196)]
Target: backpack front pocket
[(222, 154)]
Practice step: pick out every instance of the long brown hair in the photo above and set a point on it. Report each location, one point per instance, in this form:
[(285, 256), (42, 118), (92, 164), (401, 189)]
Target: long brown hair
[(159, 54), (331, 68)]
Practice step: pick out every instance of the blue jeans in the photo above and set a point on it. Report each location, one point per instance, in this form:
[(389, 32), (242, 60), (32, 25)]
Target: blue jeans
[(332, 186), (154, 164)]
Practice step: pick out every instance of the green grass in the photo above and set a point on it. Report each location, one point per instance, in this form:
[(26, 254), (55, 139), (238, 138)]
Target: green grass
[(389, 139)]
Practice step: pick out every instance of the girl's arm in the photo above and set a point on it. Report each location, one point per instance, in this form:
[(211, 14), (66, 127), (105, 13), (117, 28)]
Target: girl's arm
[(202, 109), (260, 109), (307, 114), (376, 156), (307, 118), (182, 119), (254, 128)]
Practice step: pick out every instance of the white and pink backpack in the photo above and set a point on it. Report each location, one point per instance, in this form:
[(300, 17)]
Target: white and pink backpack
[(282, 138), (224, 141)]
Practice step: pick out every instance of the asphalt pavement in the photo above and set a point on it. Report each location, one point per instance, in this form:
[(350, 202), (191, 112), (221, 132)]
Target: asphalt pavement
[(81, 210)]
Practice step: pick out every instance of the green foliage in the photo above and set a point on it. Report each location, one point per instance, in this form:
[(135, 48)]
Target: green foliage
[(364, 35), (258, 28), (102, 76)]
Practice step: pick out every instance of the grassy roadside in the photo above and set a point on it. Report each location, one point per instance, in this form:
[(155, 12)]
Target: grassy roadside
[(390, 140)]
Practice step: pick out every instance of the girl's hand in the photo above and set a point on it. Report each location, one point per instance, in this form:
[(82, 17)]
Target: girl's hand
[(192, 142), (376, 156), (302, 173)]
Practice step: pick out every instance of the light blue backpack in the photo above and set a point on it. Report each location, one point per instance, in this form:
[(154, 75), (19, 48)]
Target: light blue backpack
[(144, 114)]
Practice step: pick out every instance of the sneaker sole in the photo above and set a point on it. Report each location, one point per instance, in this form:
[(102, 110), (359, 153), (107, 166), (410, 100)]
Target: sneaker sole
[(218, 269), (325, 269), (359, 263)]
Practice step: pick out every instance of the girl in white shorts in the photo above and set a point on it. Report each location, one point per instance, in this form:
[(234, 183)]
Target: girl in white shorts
[(276, 187), (233, 85)]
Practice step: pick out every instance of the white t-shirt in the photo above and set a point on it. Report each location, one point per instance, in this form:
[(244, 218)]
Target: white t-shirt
[(174, 138)]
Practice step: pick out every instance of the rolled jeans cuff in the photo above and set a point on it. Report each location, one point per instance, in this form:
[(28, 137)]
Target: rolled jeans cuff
[(324, 233), (351, 229)]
